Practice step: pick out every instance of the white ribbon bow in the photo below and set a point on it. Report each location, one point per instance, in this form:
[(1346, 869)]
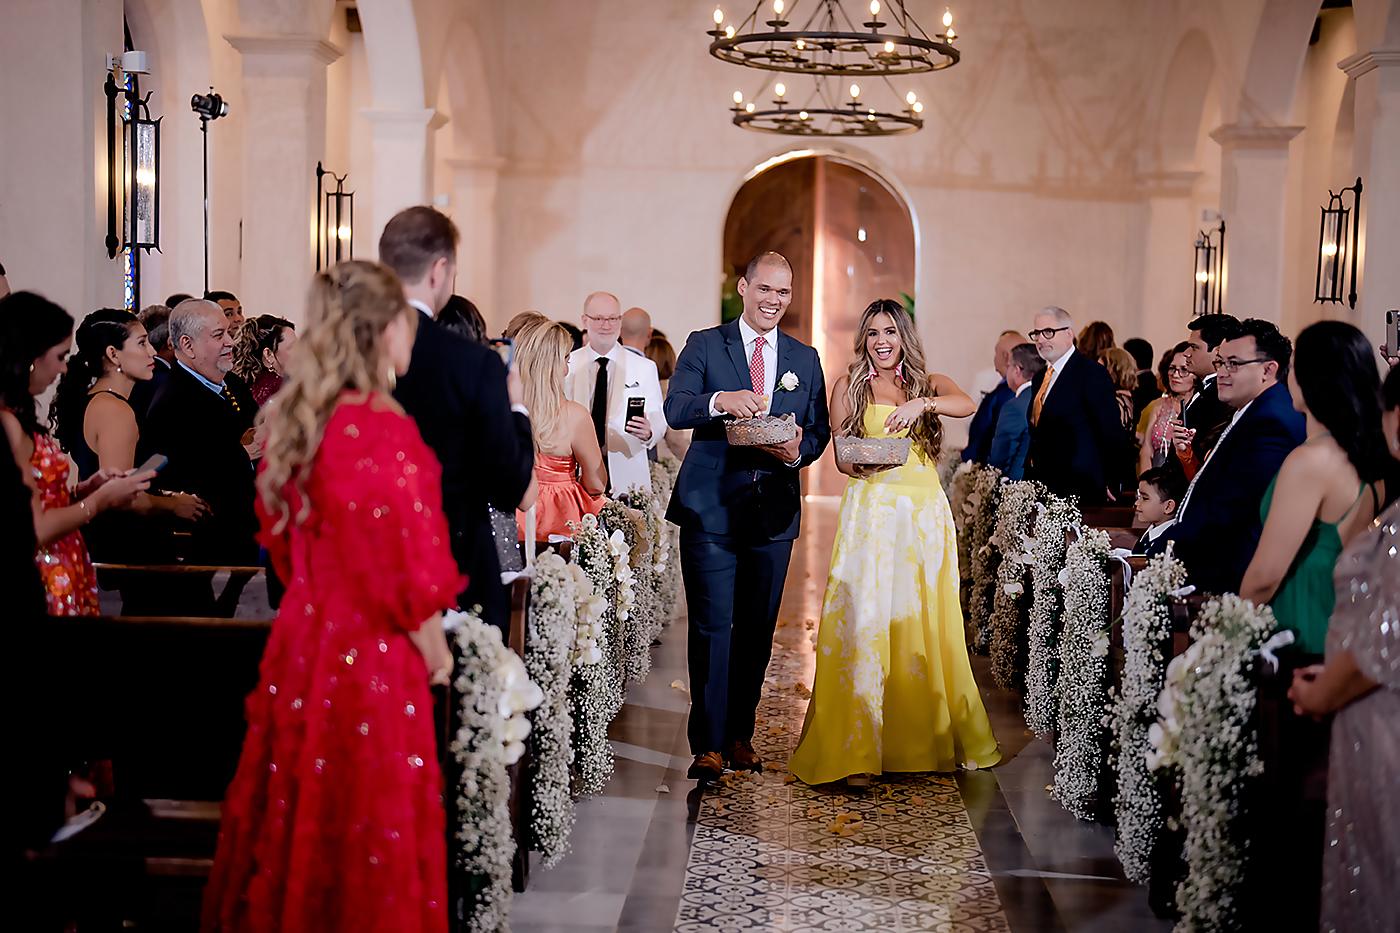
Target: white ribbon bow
[(1277, 641)]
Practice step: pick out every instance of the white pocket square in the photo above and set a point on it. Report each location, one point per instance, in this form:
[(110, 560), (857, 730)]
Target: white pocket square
[(632, 385)]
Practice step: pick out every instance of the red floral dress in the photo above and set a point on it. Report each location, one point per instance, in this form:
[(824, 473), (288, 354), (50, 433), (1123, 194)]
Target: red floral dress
[(334, 820), (70, 582)]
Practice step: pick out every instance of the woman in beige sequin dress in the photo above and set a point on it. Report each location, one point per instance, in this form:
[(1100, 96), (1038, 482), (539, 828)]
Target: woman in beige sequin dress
[(1360, 683)]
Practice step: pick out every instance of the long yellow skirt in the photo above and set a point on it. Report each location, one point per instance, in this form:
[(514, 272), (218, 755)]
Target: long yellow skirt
[(894, 690)]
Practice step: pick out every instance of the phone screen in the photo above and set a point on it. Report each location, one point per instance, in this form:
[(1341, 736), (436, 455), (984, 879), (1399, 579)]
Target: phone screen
[(636, 408)]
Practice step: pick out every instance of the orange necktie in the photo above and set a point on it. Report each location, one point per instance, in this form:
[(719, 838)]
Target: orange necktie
[(1039, 401)]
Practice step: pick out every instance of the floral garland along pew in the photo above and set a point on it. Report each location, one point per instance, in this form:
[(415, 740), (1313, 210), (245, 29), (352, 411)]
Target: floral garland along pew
[(635, 606), (1054, 516), (1205, 735), (1146, 641), (1081, 741), (983, 501), (663, 482), (595, 693), (958, 490), (651, 555), (496, 693), (1015, 513)]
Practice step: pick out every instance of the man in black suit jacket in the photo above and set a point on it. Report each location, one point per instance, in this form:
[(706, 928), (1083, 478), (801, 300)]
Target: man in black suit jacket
[(1075, 427), (201, 420), (156, 320), (1218, 524), (1206, 416), (467, 408)]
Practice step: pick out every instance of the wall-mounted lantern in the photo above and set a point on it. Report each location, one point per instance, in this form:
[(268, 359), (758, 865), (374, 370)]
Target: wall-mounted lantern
[(1210, 271), (133, 164), (1336, 246), (335, 219)]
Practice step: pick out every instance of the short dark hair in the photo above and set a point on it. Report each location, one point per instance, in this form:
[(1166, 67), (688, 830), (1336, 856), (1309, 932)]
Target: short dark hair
[(1215, 328), (1027, 358), (176, 298), (1141, 350), (1168, 480), (1390, 389), (575, 333), (1269, 342), (156, 320), (463, 317), (414, 239), (767, 256), (217, 296)]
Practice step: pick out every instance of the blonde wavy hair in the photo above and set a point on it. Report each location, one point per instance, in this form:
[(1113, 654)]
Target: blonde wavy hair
[(542, 358), (912, 373), (347, 309)]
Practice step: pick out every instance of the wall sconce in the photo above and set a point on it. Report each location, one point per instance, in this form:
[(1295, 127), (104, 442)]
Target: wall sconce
[(1210, 271), (136, 180), (335, 219), (1336, 245)]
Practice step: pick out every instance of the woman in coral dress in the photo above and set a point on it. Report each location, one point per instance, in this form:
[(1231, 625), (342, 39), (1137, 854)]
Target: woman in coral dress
[(35, 337), (568, 460), (334, 820), (894, 690)]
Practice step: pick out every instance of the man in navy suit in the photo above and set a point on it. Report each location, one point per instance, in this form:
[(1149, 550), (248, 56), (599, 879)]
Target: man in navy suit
[(1011, 440), (984, 420), (1075, 427), (740, 508), (1218, 524)]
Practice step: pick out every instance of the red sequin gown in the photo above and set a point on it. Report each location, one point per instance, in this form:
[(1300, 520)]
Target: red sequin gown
[(334, 820), (70, 583)]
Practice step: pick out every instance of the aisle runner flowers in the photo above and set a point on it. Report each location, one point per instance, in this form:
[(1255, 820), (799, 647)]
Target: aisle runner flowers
[(1053, 518), (1014, 515), (632, 648), (983, 503), (1081, 741), (496, 693), (651, 554), (595, 694), (663, 482), (1146, 632), (558, 593), (1204, 732), (958, 490)]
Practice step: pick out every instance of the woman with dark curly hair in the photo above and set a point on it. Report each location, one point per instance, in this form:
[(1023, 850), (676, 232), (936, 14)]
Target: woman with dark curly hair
[(264, 349)]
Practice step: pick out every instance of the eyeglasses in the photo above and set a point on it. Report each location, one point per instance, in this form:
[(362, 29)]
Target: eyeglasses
[(1178, 371), (604, 320), (1233, 365), (1046, 332)]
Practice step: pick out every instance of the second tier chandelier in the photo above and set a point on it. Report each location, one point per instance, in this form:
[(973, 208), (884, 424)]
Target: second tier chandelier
[(828, 41)]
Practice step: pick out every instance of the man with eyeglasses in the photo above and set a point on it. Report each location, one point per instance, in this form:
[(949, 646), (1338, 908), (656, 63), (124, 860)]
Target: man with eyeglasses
[(1075, 426), (1218, 523), (604, 377), (1206, 415)]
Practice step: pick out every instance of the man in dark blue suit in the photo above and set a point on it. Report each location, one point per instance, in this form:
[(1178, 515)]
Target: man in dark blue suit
[(1218, 524), (1076, 431), (984, 421), (1011, 440), (740, 508)]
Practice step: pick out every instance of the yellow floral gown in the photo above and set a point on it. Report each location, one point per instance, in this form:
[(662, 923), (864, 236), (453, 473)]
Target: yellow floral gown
[(894, 690)]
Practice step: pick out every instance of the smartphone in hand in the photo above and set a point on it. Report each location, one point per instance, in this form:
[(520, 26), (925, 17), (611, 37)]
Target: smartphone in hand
[(636, 407)]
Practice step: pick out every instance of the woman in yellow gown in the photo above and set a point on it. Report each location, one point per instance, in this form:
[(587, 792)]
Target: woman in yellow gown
[(894, 690)]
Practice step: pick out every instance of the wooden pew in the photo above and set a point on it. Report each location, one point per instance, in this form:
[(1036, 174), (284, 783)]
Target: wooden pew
[(175, 589)]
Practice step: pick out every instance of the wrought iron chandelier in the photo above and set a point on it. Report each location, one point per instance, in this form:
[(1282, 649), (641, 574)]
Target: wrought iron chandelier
[(826, 110), (828, 45), (829, 42)]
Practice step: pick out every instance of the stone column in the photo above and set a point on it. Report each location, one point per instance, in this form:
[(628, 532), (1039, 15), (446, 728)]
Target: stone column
[(1377, 159), (284, 134), (400, 146), (1253, 195), (474, 183)]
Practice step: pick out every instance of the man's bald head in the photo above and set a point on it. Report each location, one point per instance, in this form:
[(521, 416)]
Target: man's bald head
[(602, 318), (1001, 357), (636, 328)]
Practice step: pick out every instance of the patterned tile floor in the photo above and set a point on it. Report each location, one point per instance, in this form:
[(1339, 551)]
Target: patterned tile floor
[(979, 850)]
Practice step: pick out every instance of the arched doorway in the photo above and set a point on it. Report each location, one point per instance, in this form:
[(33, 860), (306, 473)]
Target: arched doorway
[(850, 238)]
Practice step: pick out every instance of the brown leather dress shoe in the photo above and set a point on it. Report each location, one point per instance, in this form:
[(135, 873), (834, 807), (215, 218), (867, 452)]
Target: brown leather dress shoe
[(742, 757), (706, 767)]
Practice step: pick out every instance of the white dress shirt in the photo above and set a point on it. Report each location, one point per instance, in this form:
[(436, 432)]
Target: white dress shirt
[(770, 361), (1057, 367), (630, 375)]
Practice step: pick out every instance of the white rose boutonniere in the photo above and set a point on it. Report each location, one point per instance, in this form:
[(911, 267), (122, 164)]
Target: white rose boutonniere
[(788, 382)]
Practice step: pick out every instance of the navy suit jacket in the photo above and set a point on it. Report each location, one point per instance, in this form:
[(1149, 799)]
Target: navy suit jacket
[(1219, 530), (984, 421), (1080, 434), (1012, 439), (725, 491)]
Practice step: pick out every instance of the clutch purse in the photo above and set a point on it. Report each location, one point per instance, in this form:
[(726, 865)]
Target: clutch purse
[(873, 451), (762, 431)]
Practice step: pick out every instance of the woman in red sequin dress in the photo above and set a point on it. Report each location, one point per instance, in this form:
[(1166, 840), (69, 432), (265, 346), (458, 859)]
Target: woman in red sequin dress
[(35, 335), (334, 820)]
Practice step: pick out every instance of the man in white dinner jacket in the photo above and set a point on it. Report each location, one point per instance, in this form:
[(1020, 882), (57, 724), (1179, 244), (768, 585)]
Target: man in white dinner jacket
[(603, 375)]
